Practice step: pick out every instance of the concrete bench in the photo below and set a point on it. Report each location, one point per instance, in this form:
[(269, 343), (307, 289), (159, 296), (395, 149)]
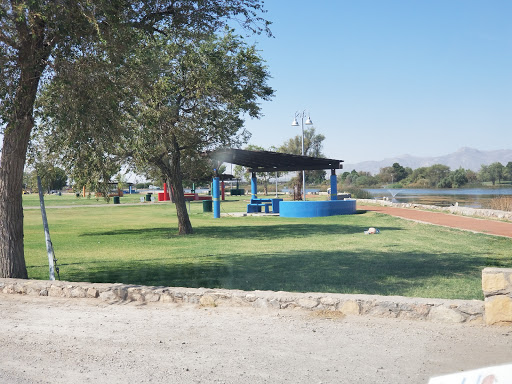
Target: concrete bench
[(256, 207)]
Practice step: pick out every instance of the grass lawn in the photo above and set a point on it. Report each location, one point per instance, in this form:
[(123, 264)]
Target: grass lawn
[(138, 244), (69, 199)]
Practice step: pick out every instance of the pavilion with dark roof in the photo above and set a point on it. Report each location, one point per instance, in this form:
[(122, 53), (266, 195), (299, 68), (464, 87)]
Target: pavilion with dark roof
[(266, 161)]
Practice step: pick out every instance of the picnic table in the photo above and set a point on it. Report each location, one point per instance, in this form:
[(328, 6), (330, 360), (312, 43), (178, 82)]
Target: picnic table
[(256, 205)]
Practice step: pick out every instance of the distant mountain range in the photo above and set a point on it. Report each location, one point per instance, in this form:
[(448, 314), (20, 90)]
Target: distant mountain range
[(467, 158)]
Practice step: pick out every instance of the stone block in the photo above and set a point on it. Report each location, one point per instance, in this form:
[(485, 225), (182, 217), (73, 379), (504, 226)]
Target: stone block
[(78, 292), (92, 292), (445, 315), (349, 307), (33, 291), (494, 282), (152, 297), (472, 308), (121, 293), (9, 288), (250, 297), (307, 303), (207, 301), (192, 299), (498, 309), (385, 309), (166, 297), (55, 291), (108, 296), (413, 311), (328, 301), (260, 303), (19, 288)]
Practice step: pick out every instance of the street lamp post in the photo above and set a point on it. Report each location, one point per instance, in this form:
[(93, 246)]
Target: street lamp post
[(295, 123)]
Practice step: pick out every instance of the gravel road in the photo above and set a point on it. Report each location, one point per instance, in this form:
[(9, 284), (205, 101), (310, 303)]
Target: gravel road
[(53, 340)]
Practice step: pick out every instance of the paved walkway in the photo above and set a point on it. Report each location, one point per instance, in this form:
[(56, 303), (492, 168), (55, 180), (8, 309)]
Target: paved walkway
[(490, 227)]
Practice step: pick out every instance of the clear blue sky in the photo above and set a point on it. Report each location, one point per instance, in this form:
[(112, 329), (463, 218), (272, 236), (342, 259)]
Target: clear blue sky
[(383, 78)]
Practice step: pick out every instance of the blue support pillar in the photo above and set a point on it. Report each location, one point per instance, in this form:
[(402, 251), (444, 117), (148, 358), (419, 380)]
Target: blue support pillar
[(334, 185), (254, 186), (216, 198)]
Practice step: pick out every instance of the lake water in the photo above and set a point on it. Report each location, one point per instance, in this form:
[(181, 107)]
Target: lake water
[(308, 190), (471, 197)]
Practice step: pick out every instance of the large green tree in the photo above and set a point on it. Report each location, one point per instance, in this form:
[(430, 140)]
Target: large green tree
[(492, 172), (195, 104), (313, 143), (393, 174), (190, 100), (36, 35), (496, 172), (508, 170)]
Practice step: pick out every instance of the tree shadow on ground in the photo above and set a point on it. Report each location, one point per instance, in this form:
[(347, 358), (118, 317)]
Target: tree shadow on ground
[(380, 273), (273, 231)]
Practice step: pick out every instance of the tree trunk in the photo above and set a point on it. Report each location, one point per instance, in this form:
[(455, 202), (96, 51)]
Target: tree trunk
[(12, 260), (173, 174), (14, 151), (32, 58), (299, 186)]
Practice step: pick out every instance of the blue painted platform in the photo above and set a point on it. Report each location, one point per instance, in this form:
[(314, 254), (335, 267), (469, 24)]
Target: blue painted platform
[(317, 208)]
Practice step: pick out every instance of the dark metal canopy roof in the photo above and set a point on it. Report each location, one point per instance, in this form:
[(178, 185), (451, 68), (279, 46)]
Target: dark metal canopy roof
[(266, 161)]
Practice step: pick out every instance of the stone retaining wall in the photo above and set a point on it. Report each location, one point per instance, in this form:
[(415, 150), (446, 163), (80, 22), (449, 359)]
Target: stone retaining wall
[(437, 310), (497, 287), (463, 211)]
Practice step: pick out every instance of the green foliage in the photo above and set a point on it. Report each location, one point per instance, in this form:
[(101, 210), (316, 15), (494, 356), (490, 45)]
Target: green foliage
[(172, 99), (358, 179), (42, 40), (459, 178), (508, 171), (445, 183), (358, 193), (44, 164), (313, 143), (493, 172), (435, 176)]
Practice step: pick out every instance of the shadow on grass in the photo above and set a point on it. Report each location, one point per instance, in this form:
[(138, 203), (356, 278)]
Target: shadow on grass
[(380, 273), (269, 232)]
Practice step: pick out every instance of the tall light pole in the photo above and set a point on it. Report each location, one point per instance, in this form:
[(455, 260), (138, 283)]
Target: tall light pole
[(295, 123)]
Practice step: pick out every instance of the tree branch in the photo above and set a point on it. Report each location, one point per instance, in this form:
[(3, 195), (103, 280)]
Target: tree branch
[(5, 39)]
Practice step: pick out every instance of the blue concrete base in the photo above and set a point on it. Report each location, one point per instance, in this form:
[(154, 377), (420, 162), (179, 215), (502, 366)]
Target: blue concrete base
[(317, 208)]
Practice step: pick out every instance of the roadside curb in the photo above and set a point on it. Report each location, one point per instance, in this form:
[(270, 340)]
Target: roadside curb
[(435, 310)]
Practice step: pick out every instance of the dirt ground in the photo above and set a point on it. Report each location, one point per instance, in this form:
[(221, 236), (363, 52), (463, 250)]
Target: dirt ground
[(51, 340)]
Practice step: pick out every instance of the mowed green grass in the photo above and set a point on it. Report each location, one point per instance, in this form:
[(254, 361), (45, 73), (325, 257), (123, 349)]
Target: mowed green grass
[(70, 199), (138, 244)]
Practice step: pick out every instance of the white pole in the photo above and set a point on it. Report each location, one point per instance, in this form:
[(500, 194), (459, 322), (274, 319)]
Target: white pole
[(49, 246), (303, 172)]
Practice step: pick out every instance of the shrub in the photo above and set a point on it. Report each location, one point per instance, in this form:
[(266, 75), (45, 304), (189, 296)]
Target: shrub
[(358, 193), (501, 203)]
